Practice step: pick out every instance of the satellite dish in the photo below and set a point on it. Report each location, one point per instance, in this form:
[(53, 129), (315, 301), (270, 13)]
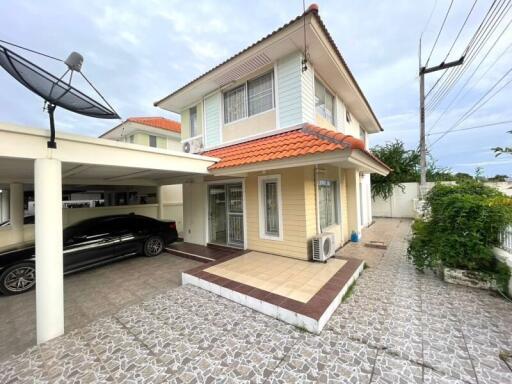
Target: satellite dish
[(56, 91)]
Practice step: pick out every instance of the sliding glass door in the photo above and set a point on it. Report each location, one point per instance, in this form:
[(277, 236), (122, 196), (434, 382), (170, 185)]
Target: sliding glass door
[(225, 214)]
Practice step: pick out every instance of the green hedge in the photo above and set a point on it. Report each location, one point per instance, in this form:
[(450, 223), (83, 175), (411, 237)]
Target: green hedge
[(462, 225)]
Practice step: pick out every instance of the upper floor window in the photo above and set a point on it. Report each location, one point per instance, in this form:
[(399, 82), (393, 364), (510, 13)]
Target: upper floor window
[(348, 117), (362, 134), (193, 121), (251, 98), (131, 138), (324, 102), (152, 141)]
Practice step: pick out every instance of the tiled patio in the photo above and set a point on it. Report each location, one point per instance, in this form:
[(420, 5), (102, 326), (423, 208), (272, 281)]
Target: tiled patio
[(298, 292), (397, 327)]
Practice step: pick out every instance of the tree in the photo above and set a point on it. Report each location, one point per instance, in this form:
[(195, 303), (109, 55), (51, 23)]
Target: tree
[(498, 178), (461, 176), (404, 164), (503, 150)]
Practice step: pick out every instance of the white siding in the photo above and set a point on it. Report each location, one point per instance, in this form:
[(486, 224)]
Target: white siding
[(212, 112), (308, 95), (289, 86)]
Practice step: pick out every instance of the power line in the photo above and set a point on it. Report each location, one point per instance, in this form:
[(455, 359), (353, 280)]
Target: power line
[(453, 44), (461, 29), (475, 107), (439, 33), (473, 127), (473, 73), (479, 43), (429, 18)]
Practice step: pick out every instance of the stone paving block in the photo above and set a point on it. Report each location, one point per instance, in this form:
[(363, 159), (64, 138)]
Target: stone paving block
[(390, 370)]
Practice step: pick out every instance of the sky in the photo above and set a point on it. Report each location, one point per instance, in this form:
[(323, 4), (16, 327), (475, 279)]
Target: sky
[(136, 52)]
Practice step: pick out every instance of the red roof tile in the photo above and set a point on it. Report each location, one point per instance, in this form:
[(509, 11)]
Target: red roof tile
[(307, 140), (158, 122)]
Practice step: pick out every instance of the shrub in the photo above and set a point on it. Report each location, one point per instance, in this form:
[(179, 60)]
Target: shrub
[(463, 224)]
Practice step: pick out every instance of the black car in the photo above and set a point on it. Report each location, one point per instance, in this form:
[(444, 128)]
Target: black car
[(87, 244)]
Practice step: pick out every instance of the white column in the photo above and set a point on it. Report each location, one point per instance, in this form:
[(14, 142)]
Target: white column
[(16, 210), (49, 258), (5, 205), (160, 201)]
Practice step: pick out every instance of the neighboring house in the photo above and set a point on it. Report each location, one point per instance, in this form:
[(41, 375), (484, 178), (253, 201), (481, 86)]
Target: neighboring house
[(157, 132), (292, 145)]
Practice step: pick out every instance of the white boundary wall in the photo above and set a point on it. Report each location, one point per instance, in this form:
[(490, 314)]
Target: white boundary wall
[(172, 211), (402, 204)]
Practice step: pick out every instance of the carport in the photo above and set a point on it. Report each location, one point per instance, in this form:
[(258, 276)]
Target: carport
[(78, 160)]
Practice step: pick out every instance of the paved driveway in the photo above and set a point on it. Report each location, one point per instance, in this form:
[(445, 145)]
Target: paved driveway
[(90, 295), (397, 327)]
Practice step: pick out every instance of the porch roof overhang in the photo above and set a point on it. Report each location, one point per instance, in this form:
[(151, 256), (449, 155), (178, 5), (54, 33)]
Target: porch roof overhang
[(87, 160), (305, 144), (343, 158)]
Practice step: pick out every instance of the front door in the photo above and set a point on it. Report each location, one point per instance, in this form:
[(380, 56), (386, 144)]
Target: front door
[(225, 214)]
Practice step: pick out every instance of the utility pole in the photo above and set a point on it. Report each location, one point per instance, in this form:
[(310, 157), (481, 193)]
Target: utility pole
[(423, 147)]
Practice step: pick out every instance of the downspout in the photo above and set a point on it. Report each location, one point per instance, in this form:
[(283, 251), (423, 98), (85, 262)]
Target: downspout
[(317, 202)]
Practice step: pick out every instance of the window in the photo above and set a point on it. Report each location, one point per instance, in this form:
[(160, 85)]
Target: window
[(348, 117), (234, 104), (362, 135), (152, 141), (271, 221), (193, 121), (324, 102), (251, 98), (131, 138), (328, 203), (260, 94)]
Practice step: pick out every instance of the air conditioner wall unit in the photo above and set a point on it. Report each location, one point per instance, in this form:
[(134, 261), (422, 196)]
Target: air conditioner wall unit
[(193, 145), (323, 246)]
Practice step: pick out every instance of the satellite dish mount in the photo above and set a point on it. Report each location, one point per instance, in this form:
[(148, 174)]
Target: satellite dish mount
[(56, 91)]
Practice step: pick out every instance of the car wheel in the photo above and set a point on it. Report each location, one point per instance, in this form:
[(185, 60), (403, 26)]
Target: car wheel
[(18, 278), (153, 246)]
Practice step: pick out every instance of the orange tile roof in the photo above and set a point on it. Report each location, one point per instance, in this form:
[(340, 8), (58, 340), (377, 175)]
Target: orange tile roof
[(307, 140), (158, 122)]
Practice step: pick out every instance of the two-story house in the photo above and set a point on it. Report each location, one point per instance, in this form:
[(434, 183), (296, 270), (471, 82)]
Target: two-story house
[(291, 139), (157, 132)]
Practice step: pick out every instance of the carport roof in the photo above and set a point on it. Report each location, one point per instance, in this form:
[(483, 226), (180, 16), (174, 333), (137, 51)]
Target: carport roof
[(87, 160)]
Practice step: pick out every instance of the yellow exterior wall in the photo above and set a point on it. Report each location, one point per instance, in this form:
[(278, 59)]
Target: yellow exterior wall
[(344, 207), (161, 142), (253, 125), (326, 172), (324, 123), (141, 139), (294, 243)]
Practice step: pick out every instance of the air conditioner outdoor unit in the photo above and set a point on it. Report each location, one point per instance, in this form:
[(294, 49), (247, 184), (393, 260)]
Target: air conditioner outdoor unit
[(323, 246), (194, 145)]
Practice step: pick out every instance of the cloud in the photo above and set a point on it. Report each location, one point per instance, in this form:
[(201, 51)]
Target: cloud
[(137, 52)]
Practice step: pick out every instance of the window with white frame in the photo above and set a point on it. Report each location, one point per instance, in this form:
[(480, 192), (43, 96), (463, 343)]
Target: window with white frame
[(328, 203), (271, 221), (253, 97), (324, 101), (193, 121)]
